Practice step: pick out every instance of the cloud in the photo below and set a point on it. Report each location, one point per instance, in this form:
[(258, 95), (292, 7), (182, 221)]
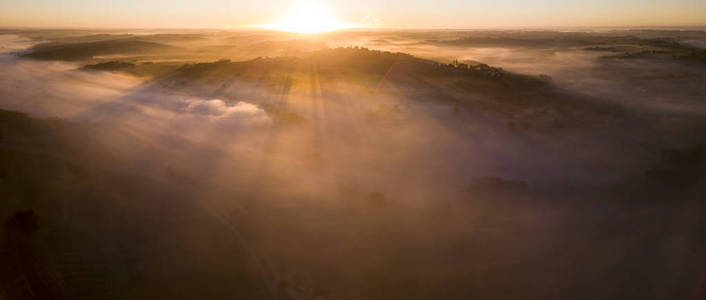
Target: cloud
[(53, 89), (219, 110), (58, 89), (13, 42)]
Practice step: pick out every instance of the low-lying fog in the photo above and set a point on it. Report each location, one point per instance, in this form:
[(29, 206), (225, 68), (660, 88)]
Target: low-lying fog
[(316, 187)]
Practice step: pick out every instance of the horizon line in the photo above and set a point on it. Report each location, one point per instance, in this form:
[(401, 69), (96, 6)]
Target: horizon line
[(362, 28)]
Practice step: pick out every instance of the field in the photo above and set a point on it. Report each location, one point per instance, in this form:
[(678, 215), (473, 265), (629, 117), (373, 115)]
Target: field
[(437, 164)]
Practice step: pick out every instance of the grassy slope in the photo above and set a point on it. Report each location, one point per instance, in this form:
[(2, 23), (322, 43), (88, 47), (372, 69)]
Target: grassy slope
[(523, 98), (127, 236), (93, 241), (87, 50)]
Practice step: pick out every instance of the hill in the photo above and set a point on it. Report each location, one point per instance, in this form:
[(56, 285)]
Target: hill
[(480, 88), (88, 50)]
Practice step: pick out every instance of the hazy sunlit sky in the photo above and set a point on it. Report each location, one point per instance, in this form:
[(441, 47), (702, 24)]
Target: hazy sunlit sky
[(365, 13)]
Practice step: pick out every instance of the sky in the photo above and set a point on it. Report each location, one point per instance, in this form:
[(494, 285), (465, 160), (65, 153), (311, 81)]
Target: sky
[(233, 14)]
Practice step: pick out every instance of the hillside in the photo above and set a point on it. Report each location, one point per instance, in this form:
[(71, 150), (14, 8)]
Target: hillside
[(88, 50), (480, 88)]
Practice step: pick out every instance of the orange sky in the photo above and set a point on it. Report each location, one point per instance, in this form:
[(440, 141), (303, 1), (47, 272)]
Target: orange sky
[(364, 13)]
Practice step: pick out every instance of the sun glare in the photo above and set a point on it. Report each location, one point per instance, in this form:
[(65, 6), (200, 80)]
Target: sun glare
[(308, 18)]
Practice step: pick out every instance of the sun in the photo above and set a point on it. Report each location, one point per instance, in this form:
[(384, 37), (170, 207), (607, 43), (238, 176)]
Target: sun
[(308, 18)]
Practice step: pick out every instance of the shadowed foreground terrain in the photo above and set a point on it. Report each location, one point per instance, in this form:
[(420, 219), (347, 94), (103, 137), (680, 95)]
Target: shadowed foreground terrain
[(352, 165)]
